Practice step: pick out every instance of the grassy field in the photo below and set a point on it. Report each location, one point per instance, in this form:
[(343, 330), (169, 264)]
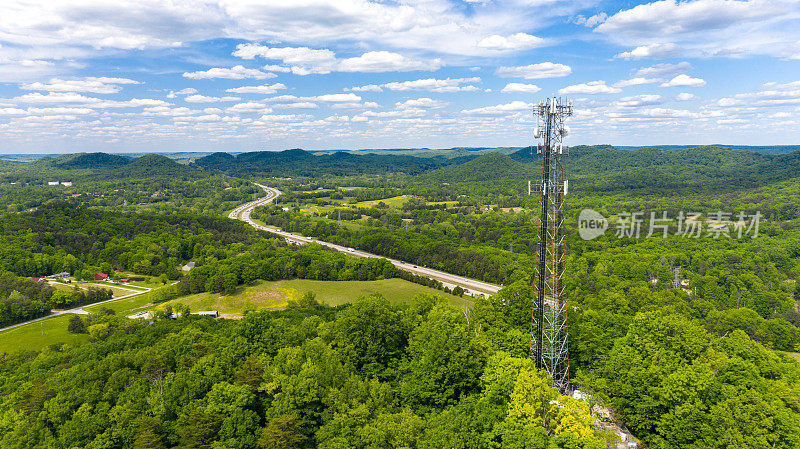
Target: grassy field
[(794, 355), (395, 202), (39, 335), (260, 295), (275, 295)]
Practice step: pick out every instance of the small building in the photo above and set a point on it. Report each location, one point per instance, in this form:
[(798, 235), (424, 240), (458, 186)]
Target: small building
[(188, 266), (66, 183), (53, 183), (100, 277), (124, 280), (62, 275), (211, 313)]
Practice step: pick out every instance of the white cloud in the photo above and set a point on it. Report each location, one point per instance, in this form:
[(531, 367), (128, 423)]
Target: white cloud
[(670, 17), (204, 99), (297, 105), (637, 81), (384, 61), (535, 71), (706, 27), (367, 88), (305, 60), (186, 91), (500, 109), (638, 100), (338, 98), (664, 69), (425, 103), (592, 87), (592, 21), (100, 85), (684, 81), (521, 88), (685, 96), (518, 41), (264, 89), (770, 95), (435, 85), (653, 51), (277, 68), (237, 72)]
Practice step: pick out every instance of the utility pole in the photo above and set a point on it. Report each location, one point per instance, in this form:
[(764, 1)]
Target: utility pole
[(549, 346)]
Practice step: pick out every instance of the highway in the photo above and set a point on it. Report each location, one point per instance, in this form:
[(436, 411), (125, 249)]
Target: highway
[(474, 287)]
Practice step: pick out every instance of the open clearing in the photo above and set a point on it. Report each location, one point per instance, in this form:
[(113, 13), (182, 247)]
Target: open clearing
[(39, 335), (257, 296), (275, 295)]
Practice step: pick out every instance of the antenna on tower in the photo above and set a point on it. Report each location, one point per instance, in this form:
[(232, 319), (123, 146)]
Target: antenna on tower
[(549, 346)]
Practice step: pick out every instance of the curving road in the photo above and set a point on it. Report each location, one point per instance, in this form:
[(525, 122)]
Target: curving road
[(449, 280)]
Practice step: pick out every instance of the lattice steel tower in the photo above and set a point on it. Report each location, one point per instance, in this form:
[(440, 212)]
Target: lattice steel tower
[(549, 346)]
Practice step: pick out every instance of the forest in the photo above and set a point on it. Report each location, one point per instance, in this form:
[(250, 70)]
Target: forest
[(710, 364)]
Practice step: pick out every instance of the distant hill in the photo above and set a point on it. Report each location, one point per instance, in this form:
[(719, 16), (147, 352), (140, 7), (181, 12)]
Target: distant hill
[(156, 165), (93, 161), (604, 168), (299, 162), (487, 167)]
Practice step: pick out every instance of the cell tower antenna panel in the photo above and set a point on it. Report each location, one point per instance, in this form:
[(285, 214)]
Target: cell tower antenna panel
[(549, 346)]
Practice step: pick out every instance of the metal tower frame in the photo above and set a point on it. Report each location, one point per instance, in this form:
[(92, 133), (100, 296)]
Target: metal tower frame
[(549, 346)]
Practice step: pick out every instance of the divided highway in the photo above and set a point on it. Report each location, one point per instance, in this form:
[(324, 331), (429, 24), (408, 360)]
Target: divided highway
[(450, 280)]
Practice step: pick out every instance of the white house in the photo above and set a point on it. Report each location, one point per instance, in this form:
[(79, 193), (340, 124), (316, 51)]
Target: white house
[(188, 266)]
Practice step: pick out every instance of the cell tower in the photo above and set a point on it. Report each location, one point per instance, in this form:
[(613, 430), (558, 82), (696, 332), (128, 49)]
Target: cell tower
[(549, 325)]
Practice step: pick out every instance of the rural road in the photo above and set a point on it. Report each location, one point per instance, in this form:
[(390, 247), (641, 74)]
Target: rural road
[(449, 280), (78, 310)]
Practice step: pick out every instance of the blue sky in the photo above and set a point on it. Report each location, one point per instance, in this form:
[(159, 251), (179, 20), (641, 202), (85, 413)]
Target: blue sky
[(244, 75)]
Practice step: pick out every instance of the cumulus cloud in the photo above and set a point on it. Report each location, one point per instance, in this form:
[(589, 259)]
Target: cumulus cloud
[(101, 85), (535, 71), (264, 89), (367, 88), (637, 81), (705, 27), (338, 98), (204, 99), (237, 72), (664, 69), (186, 91), (685, 96), (654, 51), (521, 88), (305, 60), (518, 41), (435, 85), (500, 109), (638, 100), (592, 87), (424, 103), (591, 21), (684, 81)]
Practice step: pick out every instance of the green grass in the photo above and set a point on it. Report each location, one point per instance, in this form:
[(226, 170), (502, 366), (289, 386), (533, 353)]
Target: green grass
[(395, 202), (275, 295), (39, 335), (260, 295), (793, 355)]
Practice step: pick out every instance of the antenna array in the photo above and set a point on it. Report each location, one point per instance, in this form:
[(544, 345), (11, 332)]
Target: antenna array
[(549, 347)]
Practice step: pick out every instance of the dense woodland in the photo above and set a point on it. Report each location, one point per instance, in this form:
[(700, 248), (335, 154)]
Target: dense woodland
[(701, 366)]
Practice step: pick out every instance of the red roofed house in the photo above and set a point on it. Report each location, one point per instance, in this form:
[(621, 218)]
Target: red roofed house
[(100, 277)]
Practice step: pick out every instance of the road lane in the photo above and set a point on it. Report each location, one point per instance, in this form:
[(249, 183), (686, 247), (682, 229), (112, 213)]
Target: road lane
[(474, 286)]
